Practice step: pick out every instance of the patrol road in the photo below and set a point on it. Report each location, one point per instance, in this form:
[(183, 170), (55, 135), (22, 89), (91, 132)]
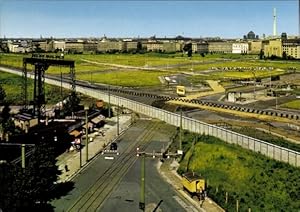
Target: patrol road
[(95, 183)]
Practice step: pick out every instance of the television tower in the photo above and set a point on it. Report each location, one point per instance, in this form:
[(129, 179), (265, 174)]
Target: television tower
[(299, 19), (275, 22)]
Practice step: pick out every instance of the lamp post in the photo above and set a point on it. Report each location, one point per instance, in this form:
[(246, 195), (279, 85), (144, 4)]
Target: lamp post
[(180, 130), (109, 112), (118, 119), (254, 83), (86, 133), (23, 155), (142, 193)]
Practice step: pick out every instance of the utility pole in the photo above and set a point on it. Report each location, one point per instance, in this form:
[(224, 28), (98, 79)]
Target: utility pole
[(142, 197), (61, 84), (118, 124), (80, 155), (109, 112), (23, 155), (86, 134), (180, 130)]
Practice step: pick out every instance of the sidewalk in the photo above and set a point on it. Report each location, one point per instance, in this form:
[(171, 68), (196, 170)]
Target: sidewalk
[(168, 171), (71, 160)]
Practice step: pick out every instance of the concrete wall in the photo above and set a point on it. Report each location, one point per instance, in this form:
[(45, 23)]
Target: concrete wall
[(192, 125)]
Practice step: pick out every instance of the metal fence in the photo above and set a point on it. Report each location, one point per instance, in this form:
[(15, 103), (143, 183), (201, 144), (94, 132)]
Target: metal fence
[(192, 125)]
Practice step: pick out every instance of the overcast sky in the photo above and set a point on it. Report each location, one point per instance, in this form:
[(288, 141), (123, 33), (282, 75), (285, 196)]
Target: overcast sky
[(198, 18)]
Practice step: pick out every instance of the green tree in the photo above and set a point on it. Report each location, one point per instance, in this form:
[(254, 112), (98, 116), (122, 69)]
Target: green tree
[(42, 172), (72, 104), (7, 124), (284, 56), (31, 188), (261, 54), (2, 95)]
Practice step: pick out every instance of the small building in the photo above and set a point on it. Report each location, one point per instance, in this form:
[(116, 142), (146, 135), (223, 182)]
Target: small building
[(25, 121)]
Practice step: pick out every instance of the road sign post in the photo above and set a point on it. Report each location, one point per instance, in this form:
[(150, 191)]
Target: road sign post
[(142, 198)]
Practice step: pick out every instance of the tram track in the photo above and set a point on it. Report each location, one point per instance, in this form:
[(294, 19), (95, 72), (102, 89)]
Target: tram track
[(96, 194)]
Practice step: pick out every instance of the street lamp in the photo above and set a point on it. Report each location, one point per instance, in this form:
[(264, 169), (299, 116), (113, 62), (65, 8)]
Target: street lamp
[(86, 133), (254, 83)]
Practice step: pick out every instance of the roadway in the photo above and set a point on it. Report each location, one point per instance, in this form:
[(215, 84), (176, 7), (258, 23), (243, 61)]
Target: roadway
[(113, 185)]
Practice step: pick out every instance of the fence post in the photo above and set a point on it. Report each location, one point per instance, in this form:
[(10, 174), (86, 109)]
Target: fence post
[(226, 197), (237, 205)]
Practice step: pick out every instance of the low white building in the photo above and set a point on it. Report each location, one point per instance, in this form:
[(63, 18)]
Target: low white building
[(240, 48), (60, 45)]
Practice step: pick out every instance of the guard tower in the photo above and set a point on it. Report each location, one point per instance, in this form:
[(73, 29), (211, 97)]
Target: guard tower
[(41, 63)]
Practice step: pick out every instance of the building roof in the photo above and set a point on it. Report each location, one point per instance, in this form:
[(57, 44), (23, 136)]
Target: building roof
[(75, 133), (192, 176)]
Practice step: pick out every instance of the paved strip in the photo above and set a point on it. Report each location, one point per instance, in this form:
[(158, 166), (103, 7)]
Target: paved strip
[(101, 189)]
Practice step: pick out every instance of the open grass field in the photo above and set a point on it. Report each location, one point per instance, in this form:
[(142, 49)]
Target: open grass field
[(256, 181), (292, 105), (105, 72), (128, 78), (12, 85)]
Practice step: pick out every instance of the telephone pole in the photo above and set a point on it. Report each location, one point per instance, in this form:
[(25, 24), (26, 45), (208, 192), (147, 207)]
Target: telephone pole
[(142, 197)]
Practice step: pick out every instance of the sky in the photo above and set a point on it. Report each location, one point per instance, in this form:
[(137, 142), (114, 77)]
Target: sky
[(168, 18)]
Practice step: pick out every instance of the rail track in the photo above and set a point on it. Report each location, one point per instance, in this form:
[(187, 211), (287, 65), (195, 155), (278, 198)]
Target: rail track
[(147, 98), (96, 194), (144, 97)]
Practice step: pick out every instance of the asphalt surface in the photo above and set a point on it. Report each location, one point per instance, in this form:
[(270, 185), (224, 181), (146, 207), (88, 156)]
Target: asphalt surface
[(124, 183)]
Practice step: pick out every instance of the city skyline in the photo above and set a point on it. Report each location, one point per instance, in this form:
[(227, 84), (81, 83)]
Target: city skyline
[(226, 19)]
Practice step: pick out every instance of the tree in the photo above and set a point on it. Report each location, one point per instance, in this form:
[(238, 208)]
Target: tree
[(139, 47), (2, 94), (261, 54), (7, 123), (42, 172), (72, 104), (188, 48), (284, 56)]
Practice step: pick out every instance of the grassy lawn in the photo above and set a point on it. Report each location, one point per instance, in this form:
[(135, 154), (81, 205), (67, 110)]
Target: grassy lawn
[(12, 85), (292, 105), (255, 180), (114, 76), (130, 78)]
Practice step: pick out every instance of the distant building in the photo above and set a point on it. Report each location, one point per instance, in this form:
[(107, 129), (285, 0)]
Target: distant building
[(200, 47), (219, 47), (255, 47), (74, 46), (283, 36), (59, 45), (251, 36), (169, 47), (240, 48), (274, 48), (131, 46), (111, 46), (291, 48), (90, 46), (154, 46)]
